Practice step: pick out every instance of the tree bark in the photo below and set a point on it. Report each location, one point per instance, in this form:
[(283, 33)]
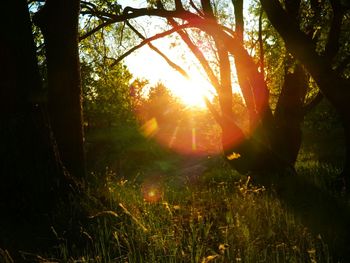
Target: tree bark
[(27, 164), (289, 115), (332, 85), (30, 171), (58, 21)]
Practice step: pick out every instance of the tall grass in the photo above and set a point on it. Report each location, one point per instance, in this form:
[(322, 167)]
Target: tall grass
[(167, 219)]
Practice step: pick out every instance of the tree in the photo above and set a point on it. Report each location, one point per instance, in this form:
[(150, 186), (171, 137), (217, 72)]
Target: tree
[(58, 21), (269, 151), (322, 50), (254, 89), (106, 93), (33, 178)]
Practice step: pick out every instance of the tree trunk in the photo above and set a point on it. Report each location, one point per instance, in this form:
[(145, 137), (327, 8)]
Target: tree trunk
[(30, 170), (58, 20), (289, 115), (333, 86), (26, 159)]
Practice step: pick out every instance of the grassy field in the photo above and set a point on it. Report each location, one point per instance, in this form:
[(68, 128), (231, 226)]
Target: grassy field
[(218, 217), (175, 208)]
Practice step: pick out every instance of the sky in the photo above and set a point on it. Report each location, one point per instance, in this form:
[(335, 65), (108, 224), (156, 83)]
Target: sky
[(147, 64)]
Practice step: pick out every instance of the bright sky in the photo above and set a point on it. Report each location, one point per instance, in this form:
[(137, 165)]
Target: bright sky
[(149, 65), (145, 63)]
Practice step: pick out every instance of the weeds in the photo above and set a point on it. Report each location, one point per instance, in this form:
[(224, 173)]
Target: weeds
[(211, 221)]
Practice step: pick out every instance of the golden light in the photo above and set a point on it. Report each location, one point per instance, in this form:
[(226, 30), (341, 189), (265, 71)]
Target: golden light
[(150, 127), (152, 190), (233, 156), (152, 193), (193, 91)]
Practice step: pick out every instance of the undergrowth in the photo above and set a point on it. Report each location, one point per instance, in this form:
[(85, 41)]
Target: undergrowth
[(211, 219)]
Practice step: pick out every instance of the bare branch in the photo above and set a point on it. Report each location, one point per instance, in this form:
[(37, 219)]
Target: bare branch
[(193, 5), (178, 5), (238, 9), (148, 40), (130, 13), (261, 44), (92, 10), (93, 31), (88, 5), (198, 54), (166, 58), (207, 9)]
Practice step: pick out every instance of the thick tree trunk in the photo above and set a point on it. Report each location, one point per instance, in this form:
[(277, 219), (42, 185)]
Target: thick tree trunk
[(58, 20), (289, 115), (30, 170), (27, 166), (333, 86), (33, 179)]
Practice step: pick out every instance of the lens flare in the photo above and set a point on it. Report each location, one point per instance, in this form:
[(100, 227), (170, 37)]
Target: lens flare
[(150, 128), (194, 145), (152, 190)]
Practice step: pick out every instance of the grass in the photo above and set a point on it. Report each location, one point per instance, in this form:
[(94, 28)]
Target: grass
[(218, 218)]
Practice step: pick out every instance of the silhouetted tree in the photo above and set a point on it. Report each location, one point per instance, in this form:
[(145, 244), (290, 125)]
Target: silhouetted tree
[(58, 21), (33, 177), (317, 34)]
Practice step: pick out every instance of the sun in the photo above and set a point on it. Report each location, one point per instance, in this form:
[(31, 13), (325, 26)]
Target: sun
[(191, 91)]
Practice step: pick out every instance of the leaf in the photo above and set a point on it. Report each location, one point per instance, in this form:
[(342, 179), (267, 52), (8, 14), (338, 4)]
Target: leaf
[(209, 258), (233, 156)]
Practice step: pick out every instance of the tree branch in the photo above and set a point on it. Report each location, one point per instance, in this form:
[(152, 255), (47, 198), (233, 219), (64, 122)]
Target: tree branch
[(207, 9), (261, 44), (178, 5), (198, 54), (199, 12), (238, 10), (332, 45), (293, 7), (296, 41), (99, 27), (225, 92), (166, 58), (241, 69), (130, 13), (302, 49), (148, 40)]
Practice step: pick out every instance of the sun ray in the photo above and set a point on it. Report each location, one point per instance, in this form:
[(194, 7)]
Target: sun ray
[(194, 144), (173, 137)]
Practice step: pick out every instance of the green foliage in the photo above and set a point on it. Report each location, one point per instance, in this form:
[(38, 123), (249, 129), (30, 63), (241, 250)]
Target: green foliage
[(226, 220), (161, 104), (106, 91), (323, 137), (274, 51)]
